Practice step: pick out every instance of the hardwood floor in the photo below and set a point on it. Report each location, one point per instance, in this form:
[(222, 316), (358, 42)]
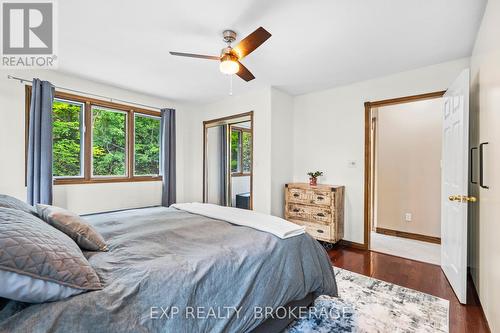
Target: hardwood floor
[(416, 275)]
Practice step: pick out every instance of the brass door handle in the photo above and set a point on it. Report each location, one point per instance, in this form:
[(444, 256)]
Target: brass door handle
[(462, 198), (469, 199)]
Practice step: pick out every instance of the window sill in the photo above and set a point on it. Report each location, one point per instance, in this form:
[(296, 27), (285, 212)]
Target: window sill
[(70, 181)]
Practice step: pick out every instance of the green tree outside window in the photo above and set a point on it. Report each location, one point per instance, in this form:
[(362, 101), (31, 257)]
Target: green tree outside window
[(67, 143), (147, 145), (241, 151), (109, 142)]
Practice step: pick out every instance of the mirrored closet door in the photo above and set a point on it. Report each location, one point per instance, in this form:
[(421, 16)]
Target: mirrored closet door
[(228, 161)]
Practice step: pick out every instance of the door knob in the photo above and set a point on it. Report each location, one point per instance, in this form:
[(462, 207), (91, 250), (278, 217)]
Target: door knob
[(468, 199), (462, 198)]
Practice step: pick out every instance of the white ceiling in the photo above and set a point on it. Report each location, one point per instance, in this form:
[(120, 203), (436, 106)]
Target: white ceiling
[(315, 44)]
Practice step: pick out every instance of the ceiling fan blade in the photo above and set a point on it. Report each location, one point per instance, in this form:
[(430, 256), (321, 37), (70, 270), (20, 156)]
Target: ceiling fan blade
[(251, 42), (244, 73), (192, 55)]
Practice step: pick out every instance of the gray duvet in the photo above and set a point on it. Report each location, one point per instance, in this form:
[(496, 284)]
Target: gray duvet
[(167, 267)]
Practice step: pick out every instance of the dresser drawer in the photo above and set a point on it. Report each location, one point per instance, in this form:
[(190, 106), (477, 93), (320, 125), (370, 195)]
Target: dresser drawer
[(313, 197), (319, 231), (322, 215), (310, 213), (321, 198), (298, 195), (300, 212)]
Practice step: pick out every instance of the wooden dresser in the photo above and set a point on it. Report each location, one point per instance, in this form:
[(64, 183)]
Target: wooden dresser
[(319, 208)]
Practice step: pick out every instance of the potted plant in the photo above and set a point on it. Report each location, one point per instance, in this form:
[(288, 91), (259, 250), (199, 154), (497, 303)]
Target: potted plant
[(313, 177)]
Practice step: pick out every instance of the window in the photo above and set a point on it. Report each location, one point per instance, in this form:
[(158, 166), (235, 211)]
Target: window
[(241, 151), (96, 141), (67, 139), (109, 142), (146, 145), (235, 151), (246, 151)]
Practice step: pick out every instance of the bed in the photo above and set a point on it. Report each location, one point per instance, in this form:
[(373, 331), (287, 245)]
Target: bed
[(167, 267)]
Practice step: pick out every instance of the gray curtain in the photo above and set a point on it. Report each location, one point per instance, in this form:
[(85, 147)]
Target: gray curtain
[(223, 163), (167, 156), (39, 167)]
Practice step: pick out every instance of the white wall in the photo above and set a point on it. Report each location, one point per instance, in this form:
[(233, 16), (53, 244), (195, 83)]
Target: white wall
[(258, 101), (329, 130), (281, 148), (80, 198), (408, 167), (485, 110), (93, 198)]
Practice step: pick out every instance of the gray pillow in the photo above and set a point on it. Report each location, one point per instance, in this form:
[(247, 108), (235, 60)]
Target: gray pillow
[(38, 263), (6, 201), (74, 226)]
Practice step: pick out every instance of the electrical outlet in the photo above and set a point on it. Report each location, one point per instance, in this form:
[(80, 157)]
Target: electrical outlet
[(408, 217)]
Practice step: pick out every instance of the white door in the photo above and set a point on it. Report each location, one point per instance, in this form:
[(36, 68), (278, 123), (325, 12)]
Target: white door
[(454, 185)]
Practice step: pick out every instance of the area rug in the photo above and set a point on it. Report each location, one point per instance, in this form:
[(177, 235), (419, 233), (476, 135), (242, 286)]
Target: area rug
[(370, 305)]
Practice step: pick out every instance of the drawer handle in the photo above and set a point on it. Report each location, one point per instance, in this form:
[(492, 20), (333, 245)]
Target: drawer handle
[(320, 198), (296, 210), (320, 215), (296, 195), (320, 231)]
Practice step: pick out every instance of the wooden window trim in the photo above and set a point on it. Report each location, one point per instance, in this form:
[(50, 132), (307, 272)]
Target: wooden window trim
[(131, 147), (87, 146)]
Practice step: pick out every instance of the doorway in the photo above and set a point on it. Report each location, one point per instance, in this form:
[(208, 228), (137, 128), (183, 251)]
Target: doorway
[(228, 161), (404, 176)]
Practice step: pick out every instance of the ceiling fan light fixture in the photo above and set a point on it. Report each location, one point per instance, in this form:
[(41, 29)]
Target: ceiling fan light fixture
[(229, 64), (230, 57)]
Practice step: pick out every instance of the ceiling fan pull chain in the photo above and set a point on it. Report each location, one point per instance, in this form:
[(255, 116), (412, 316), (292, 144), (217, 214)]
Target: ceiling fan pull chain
[(230, 85)]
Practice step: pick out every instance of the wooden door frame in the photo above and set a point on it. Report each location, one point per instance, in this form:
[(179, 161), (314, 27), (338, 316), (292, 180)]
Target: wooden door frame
[(227, 120), (368, 152)]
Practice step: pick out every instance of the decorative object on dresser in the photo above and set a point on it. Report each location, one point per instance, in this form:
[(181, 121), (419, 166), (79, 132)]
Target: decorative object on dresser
[(319, 208), (313, 177)]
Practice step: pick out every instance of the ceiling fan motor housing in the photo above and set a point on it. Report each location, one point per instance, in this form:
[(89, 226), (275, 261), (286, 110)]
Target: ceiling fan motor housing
[(229, 36)]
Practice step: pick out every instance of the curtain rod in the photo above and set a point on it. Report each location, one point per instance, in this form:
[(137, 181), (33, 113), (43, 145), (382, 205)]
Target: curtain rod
[(20, 79)]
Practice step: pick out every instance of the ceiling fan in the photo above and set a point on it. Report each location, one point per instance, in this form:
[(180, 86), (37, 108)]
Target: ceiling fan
[(230, 57)]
